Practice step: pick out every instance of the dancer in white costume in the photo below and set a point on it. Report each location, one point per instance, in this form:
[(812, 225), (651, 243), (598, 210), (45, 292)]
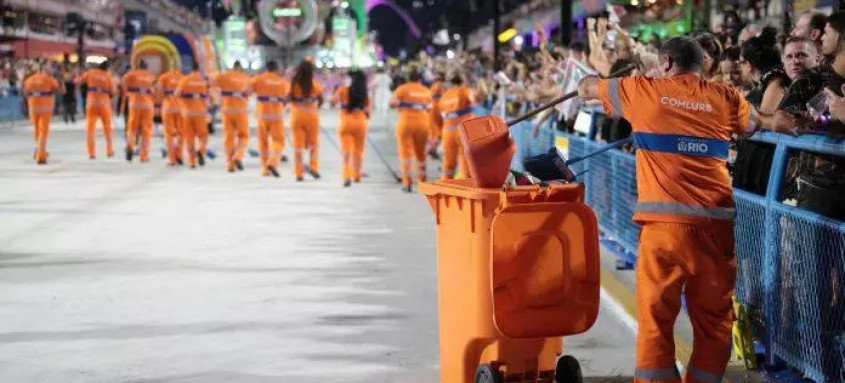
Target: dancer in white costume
[(381, 92)]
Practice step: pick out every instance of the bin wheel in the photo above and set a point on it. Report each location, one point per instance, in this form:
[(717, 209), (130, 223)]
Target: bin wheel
[(486, 373), (568, 370)]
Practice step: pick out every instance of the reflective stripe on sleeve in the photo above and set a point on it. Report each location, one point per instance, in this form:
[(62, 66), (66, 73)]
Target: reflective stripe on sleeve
[(613, 94)]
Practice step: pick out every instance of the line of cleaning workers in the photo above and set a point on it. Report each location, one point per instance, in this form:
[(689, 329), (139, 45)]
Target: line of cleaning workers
[(428, 117)]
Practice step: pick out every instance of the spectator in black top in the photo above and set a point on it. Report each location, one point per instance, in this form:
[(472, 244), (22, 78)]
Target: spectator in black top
[(761, 63)]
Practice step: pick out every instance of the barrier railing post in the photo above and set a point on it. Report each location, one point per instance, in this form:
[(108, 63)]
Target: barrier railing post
[(771, 269)]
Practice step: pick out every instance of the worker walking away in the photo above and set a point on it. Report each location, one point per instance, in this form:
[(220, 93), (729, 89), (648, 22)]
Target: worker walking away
[(413, 99), (682, 126), (355, 109), (234, 89), (436, 131), (171, 115), (456, 106), (98, 106), (270, 89), (193, 98), (40, 91), (306, 97), (138, 85)]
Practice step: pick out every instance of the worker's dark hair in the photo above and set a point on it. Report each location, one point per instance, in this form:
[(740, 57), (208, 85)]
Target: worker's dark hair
[(415, 76), (272, 66), (238, 65), (711, 45), (761, 51), (142, 64), (104, 65), (817, 20), (357, 91), (303, 78), (684, 52), (732, 53), (195, 66)]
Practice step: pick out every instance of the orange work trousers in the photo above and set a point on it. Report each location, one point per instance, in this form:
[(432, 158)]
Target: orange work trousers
[(353, 133), (140, 121), (271, 143), (235, 137), (453, 153), (699, 262), (436, 130), (195, 134), (305, 126), (411, 138), (41, 131), (173, 139), (104, 114)]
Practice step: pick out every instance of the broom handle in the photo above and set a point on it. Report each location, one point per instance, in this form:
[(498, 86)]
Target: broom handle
[(560, 99), (614, 144)]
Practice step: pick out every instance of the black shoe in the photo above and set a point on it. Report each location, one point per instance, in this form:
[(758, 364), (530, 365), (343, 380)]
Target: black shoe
[(408, 189), (231, 170), (300, 179), (239, 165), (314, 174), (347, 183), (200, 158), (273, 171), (193, 166), (42, 162), (284, 158), (163, 153), (129, 154), (179, 162)]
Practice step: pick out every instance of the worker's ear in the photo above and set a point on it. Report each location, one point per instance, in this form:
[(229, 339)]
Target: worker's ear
[(666, 64)]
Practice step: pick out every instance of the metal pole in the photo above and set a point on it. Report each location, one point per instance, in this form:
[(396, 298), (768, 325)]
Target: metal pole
[(565, 23), (497, 65)]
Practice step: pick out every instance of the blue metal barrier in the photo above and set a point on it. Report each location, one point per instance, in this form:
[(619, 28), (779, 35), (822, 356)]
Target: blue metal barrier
[(11, 108)]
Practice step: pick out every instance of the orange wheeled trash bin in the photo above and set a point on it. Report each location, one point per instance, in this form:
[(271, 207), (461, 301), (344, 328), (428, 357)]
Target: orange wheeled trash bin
[(518, 268)]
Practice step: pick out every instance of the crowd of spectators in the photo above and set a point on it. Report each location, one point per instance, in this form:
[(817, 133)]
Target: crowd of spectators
[(793, 78)]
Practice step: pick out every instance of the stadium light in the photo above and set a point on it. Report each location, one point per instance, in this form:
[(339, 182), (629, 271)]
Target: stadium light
[(450, 55), (518, 40)]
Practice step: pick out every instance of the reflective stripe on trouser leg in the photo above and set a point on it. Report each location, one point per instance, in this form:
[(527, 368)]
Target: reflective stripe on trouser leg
[(669, 374), (695, 374)]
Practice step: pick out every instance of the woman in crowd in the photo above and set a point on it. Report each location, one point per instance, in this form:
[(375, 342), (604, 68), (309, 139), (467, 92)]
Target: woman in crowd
[(761, 64)]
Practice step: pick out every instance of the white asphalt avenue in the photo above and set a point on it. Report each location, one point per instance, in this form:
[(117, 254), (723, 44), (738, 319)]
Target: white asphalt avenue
[(116, 272)]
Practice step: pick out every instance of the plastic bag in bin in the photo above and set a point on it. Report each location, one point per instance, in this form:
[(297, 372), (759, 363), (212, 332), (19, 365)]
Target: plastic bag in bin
[(549, 166)]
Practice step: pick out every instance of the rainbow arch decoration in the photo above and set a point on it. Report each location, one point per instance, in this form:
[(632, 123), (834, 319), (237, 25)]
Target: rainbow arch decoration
[(409, 22), (176, 51)]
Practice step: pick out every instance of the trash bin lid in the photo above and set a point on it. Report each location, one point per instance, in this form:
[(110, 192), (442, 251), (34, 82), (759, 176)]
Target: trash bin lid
[(544, 269)]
